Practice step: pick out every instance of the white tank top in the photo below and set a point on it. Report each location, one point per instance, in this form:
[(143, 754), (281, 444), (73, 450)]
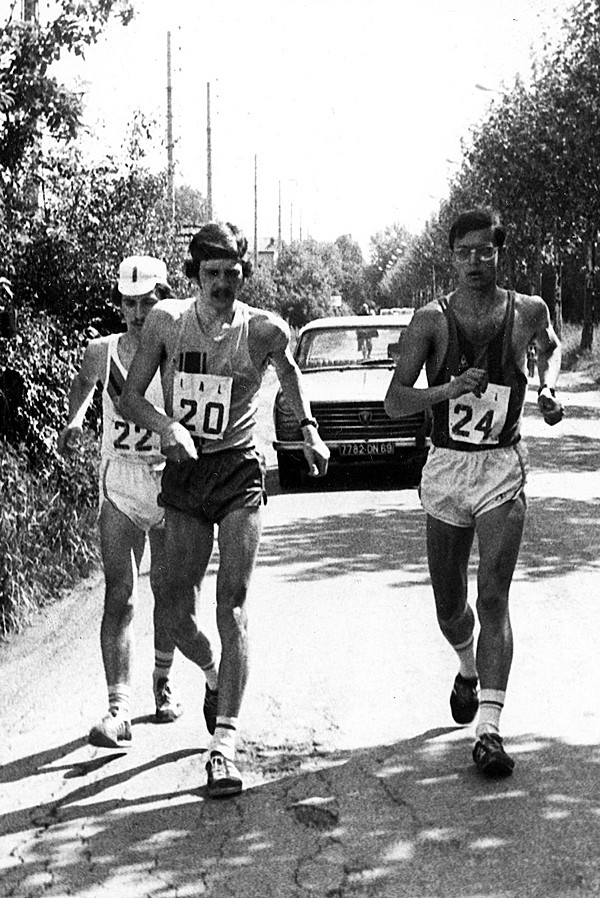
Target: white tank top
[(122, 438)]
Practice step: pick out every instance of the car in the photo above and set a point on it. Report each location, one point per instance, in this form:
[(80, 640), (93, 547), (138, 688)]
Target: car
[(347, 364)]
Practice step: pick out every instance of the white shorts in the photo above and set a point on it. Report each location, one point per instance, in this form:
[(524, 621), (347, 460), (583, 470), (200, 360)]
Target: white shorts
[(458, 486), (133, 489)]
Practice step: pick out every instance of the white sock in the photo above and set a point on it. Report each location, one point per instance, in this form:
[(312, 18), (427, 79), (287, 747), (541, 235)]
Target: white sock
[(466, 656), (491, 702), (119, 699), (224, 738)]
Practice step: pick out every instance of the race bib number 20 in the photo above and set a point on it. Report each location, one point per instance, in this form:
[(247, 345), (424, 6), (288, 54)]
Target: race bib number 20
[(202, 403), (479, 420)]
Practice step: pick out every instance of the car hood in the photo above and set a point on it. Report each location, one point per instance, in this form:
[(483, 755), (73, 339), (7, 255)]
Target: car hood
[(344, 385)]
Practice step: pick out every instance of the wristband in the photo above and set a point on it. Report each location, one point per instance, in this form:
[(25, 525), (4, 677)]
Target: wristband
[(552, 391), (309, 422)]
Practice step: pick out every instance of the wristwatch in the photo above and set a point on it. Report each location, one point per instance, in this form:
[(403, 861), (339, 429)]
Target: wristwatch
[(309, 422)]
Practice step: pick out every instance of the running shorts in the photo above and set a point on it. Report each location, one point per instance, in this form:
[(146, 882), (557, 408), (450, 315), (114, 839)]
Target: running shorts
[(458, 486), (133, 489), (215, 484)]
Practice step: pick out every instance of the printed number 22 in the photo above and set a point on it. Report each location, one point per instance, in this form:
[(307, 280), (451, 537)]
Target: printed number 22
[(141, 445)]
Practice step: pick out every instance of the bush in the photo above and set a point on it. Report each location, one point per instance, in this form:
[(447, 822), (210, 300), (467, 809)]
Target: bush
[(47, 530)]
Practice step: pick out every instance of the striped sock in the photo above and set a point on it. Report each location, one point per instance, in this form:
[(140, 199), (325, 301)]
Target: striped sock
[(223, 740), (491, 702), (466, 656), (119, 699), (163, 662)]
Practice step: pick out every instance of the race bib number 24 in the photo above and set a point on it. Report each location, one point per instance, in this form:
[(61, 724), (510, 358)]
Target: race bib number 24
[(479, 420), (202, 403)]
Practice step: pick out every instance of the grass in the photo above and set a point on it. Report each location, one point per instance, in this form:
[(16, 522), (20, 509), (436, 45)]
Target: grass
[(48, 537), (573, 359)]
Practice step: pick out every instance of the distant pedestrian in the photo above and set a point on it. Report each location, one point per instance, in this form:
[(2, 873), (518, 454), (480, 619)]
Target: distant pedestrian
[(364, 336), (131, 467), (531, 360), (474, 346), (212, 351)]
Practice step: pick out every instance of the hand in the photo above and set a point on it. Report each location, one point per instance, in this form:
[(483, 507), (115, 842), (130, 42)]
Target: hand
[(69, 439), (317, 456), (551, 409), (473, 380), (176, 443)]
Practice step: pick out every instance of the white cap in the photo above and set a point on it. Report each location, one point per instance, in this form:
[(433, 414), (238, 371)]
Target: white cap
[(140, 274)]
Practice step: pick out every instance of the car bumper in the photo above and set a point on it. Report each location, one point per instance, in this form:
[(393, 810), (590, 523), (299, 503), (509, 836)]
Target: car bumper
[(347, 451)]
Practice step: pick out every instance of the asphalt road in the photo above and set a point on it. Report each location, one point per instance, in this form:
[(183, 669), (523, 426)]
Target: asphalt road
[(358, 782)]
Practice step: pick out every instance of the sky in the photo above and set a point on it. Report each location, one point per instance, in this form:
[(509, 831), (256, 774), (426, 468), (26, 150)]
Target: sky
[(354, 110)]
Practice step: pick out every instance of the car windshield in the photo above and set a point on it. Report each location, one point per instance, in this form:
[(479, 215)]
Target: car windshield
[(343, 347)]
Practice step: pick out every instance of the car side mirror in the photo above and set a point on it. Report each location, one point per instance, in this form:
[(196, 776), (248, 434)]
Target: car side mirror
[(393, 350)]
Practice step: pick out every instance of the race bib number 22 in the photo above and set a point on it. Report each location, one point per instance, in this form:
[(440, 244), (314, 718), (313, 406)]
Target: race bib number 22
[(202, 403)]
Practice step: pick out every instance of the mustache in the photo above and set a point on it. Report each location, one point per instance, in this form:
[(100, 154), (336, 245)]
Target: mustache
[(222, 293)]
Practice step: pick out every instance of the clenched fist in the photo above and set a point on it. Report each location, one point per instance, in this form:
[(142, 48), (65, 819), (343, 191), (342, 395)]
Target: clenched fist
[(473, 380), (551, 409)]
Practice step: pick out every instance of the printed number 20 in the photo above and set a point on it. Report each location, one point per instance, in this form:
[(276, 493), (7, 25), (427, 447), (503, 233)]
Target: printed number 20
[(214, 413), (484, 424)]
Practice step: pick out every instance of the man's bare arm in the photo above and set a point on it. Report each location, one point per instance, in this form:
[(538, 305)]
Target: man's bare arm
[(81, 393), (176, 441), (549, 357), (290, 380), (549, 352)]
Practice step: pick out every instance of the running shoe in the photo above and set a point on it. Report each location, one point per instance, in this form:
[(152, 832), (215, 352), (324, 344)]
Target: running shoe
[(167, 708), (490, 757), (464, 700), (113, 731), (211, 700), (224, 778)]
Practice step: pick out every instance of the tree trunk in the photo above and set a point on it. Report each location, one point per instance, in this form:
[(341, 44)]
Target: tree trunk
[(587, 332), (557, 319)]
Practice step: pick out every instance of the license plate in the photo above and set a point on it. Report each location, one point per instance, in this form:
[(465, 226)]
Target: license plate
[(366, 449)]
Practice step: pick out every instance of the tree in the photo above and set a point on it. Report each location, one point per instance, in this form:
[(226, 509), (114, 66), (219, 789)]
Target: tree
[(32, 102)]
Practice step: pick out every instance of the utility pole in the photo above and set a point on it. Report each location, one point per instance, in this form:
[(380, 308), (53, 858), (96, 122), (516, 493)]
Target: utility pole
[(29, 10), (279, 222), (209, 202), (255, 211), (170, 163)]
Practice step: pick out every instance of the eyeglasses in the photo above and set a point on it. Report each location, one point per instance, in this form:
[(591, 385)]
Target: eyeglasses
[(483, 253)]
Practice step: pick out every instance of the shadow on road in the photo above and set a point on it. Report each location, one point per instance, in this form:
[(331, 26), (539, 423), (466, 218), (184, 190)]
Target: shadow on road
[(569, 453), (561, 534), (409, 819), (386, 539)]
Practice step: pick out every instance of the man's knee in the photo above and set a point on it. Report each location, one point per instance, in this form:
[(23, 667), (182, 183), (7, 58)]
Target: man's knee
[(492, 603), (232, 620)]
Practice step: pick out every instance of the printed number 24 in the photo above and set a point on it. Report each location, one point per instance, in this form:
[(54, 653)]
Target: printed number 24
[(484, 424)]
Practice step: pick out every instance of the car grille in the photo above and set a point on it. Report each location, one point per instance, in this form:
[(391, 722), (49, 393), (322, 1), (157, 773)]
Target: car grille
[(364, 421)]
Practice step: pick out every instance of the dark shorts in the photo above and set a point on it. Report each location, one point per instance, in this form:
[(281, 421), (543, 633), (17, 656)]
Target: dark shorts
[(215, 484)]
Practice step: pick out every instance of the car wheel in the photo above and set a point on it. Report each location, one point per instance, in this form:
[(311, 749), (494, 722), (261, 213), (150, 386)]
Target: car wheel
[(290, 470)]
